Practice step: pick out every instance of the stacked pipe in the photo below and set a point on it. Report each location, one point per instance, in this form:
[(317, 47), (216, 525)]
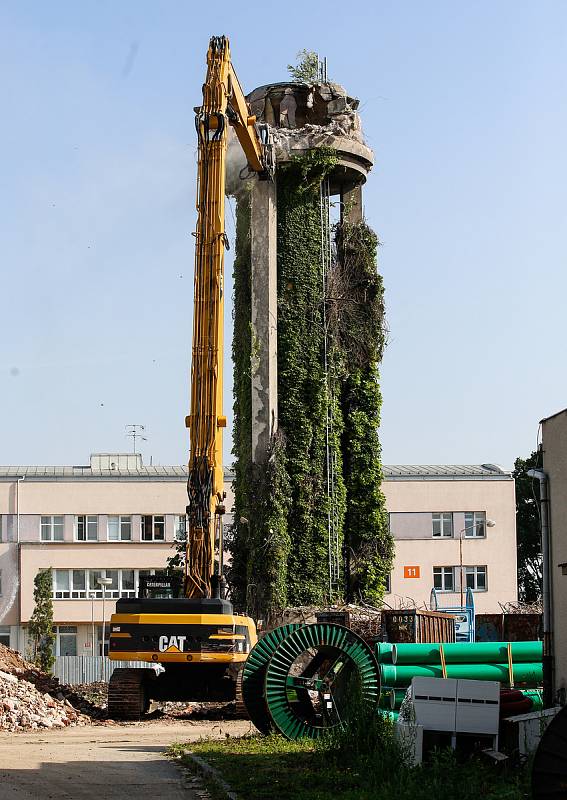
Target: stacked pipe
[(509, 663)]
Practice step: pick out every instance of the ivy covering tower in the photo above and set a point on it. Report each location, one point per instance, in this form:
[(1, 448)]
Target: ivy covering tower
[(310, 524)]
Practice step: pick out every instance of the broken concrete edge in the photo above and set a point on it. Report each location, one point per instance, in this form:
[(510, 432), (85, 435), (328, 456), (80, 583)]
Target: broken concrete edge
[(205, 770)]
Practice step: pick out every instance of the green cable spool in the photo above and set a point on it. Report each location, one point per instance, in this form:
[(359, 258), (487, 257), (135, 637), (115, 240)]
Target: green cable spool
[(309, 681), (254, 674), (383, 652), (467, 653), (401, 676)]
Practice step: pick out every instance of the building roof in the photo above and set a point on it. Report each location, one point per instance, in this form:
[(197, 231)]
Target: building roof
[(445, 472), (401, 472), (551, 416)]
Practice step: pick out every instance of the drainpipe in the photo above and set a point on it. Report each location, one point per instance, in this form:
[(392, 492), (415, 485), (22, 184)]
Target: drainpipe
[(546, 587)]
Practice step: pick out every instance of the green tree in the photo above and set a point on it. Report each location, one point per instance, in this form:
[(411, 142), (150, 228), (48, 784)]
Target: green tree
[(528, 528), (307, 68), (41, 622)]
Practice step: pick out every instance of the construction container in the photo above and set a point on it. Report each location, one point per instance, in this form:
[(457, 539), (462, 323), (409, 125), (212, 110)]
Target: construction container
[(414, 625), (489, 627), (522, 627), (508, 627)]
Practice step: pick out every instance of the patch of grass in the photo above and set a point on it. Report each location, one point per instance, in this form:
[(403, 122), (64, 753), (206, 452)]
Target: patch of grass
[(363, 762)]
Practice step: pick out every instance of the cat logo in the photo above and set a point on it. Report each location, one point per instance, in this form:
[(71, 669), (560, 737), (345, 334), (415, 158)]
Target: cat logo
[(171, 644)]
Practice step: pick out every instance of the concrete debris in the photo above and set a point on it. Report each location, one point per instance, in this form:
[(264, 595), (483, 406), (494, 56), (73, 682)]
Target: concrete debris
[(23, 707), (307, 108), (30, 699)]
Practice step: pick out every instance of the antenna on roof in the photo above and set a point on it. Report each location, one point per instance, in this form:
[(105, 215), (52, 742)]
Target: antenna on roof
[(135, 432)]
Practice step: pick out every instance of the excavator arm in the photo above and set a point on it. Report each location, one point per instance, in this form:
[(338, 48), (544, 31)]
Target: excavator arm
[(224, 104)]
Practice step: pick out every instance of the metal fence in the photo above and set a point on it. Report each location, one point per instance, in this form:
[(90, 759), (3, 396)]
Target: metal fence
[(88, 669)]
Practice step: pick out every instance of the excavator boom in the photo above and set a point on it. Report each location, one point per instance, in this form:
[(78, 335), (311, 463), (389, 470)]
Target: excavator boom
[(224, 104)]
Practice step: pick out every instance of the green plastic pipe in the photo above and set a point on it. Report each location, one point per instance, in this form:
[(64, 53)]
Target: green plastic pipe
[(536, 696), (386, 698), (401, 675), (383, 652), (399, 696), (467, 653)]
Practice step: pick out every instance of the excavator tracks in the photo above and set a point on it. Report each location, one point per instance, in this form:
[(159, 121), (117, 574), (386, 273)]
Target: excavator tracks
[(128, 696), (240, 708)]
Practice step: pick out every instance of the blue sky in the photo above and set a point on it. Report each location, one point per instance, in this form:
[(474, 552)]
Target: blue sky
[(464, 105)]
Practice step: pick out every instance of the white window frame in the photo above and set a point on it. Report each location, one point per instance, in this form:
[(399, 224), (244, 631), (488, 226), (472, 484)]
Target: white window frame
[(180, 528), (88, 522), (47, 522), (152, 537), (92, 590), (61, 594), (71, 631), (443, 520), (388, 584), (77, 594), (124, 522), (475, 527), (474, 571), (445, 572)]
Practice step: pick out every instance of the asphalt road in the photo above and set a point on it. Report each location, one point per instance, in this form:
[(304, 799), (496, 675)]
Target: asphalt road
[(102, 763)]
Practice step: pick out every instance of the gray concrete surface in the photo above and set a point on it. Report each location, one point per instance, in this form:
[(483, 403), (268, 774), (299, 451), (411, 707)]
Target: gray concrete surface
[(102, 763)]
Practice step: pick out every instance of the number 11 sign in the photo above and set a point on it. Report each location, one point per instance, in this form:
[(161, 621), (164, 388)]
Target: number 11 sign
[(411, 572)]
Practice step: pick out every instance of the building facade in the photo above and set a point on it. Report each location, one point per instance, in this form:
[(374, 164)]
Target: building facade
[(554, 439), (453, 526), (118, 519)]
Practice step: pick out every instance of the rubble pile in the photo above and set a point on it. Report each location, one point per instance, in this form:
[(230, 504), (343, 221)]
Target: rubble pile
[(23, 707), (30, 699)]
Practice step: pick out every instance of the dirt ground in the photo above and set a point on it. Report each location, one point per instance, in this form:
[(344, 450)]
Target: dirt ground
[(103, 762)]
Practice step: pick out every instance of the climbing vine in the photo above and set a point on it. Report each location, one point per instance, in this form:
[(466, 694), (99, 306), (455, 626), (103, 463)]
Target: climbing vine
[(359, 330), (302, 390), (280, 537)]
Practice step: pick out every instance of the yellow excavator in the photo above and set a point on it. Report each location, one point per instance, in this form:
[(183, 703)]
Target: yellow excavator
[(197, 640)]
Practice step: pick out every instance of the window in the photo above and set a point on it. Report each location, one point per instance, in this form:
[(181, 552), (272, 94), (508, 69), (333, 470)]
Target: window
[(127, 583), (442, 524), (443, 579), (180, 528), (61, 590), (5, 635), (388, 584), (78, 583), (475, 524), (86, 528), (82, 584), (475, 578), (66, 640), (52, 529), (153, 529), (119, 529), (100, 651)]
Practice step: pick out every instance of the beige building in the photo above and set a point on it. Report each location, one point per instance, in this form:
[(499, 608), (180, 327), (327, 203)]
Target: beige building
[(442, 520), (118, 519), (554, 437)]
